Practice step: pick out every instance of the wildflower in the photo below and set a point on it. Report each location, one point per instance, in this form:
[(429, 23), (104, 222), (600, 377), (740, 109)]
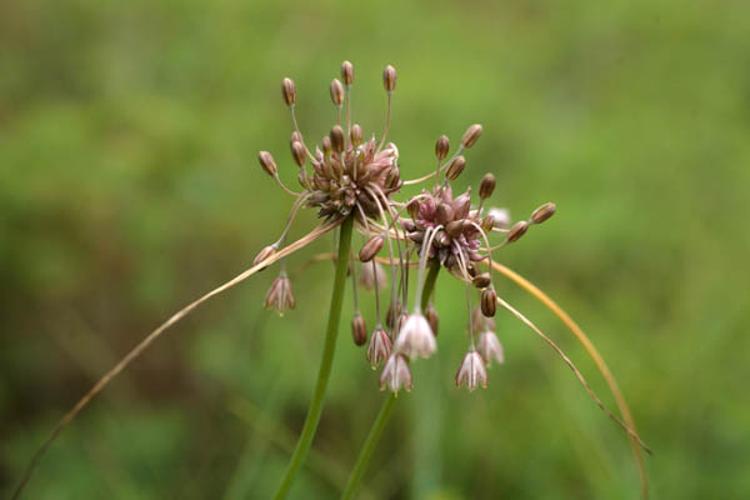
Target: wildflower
[(489, 347), (379, 348), (472, 372), (543, 213), (280, 296), (396, 374), (415, 338), (359, 329), (372, 274)]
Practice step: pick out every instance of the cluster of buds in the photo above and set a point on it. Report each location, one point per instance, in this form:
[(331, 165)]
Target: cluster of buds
[(347, 175)]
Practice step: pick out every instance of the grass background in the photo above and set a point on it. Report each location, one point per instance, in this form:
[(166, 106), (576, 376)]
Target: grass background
[(129, 185)]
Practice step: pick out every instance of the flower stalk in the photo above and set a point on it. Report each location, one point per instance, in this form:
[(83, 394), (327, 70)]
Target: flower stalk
[(316, 404)]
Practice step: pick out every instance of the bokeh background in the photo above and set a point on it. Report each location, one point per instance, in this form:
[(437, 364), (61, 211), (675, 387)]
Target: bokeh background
[(129, 185)]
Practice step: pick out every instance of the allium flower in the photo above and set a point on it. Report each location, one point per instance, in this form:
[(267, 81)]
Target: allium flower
[(379, 348), (280, 296), (489, 347), (372, 274), (472, 372), (396, 374), (415, 338)]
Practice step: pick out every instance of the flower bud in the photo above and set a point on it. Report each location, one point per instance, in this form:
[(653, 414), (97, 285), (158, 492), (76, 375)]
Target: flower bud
[(265, 253), (267, 162), (295, 137), (337, 138), (359, 329), (289, 91), (543, 213), (326, 145), (431, 315), (347, 72), (389, 78), (337, 92), (518, 230), (471, 135), (298, 153), (482, 280), (488, 302), (356, 134), (455, 168), (487, 186), (444, 214), (455, 228), (371, 248), (442, 146)]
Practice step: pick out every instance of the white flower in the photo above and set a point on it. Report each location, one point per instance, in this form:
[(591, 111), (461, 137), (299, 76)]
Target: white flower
[(396, 374), (490, 348), (379, 348), (415, 338), (501, 217), (472, 372)]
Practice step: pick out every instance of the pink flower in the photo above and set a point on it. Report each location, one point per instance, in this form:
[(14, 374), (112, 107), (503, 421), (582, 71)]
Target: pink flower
[(379, 348), (472, 372), (490, 348), (415, 338), (396, 374)]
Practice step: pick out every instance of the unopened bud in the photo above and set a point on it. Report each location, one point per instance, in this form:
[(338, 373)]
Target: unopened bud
[(455, 168), (289, 91), (482, 280), (432, 318), (371, 248), (393, 179), (265, 253), (471, 135), (326, 144), (356, 134), (359, 329), (267, 162), (442, 145), (487, 186), (298, 153), (389, 78), (337, 92), (444, 214), (518, 230), (347, 72), (455, 228), (488, 302), (295, 137), (543, 213), (337, 138)]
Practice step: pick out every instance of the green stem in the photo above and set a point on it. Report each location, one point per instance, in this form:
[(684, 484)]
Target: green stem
[(371, 442), (326, 361)]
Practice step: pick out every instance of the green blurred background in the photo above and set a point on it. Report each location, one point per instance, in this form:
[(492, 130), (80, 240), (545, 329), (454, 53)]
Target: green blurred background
[(129, 185)]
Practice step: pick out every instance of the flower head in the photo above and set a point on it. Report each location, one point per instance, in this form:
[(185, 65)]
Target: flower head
[(472, 372), (280, 296), (396, 374), (415, 338), (490, 348)]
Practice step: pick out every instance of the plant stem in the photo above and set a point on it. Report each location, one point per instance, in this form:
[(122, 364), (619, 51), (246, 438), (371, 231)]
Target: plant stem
[(324, 372), (371, 442)]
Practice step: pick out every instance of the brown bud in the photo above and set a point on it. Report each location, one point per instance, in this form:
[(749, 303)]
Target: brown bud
[(267, 162), (518, 230), (337, 138), (543, 213), (471, 135), (432, 318), (356, 134), (442, 145), (413, 208), (455, 228), (371, 248), (326, 144), (444, 214), (487, 186), (482, 280), (462, 205), (337, 92), (265, 253), (488, 222), (389, 78), (347, 72), (298, 153), (455, 168), (359, 329), (488, 302), (289, 91), (296, 137)]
